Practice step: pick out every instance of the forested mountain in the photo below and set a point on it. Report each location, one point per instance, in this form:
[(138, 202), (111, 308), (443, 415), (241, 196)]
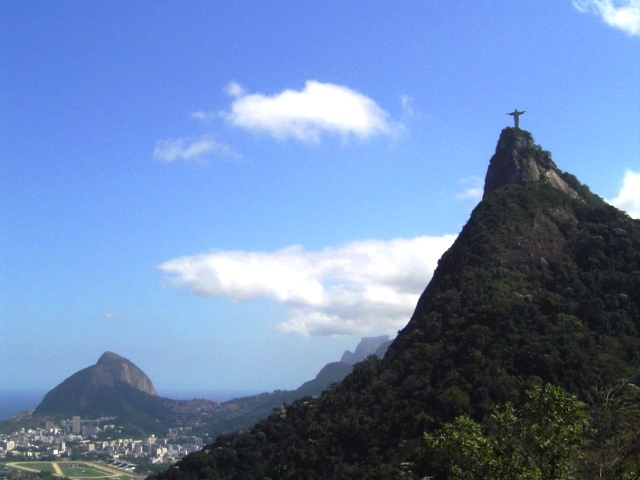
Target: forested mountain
[(541, 287)]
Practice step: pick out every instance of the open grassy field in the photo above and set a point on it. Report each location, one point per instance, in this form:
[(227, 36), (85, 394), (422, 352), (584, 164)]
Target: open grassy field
[(76, 470), (80, 470), (39, 467)]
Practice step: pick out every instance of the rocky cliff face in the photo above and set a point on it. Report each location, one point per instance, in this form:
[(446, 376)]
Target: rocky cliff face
[(367, 346), (85, 391), (518, 160), (112, 368)]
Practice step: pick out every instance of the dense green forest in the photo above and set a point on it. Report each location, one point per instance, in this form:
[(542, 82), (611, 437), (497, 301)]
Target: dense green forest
[(552, 435), (541, 288)]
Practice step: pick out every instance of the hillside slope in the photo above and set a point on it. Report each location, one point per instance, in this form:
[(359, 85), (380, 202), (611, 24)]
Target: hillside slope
[(113, 387), (542, 285), (242, 413), (84, 391)]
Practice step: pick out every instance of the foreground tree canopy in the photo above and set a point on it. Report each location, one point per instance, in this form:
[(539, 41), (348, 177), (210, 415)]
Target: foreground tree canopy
[(551, 436)]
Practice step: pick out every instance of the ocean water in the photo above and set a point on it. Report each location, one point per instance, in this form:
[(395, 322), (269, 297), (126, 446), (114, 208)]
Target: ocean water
[(16, 401)]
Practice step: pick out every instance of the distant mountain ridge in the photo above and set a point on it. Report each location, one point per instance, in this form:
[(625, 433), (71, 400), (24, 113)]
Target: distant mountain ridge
[(367, 346), (115, 386), (243, 413)]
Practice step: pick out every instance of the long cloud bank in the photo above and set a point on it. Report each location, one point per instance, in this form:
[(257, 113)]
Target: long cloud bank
[(362, 287)]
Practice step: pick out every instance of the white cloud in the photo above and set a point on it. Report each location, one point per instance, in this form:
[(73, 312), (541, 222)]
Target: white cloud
[(358, 288), (234, 89), (306, 114), (473, 191), (407, 107), (628, 198), (110, 315), (204, 116), (199, 149), (624, 14)]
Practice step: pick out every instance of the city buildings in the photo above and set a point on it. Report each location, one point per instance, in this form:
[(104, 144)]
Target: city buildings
[(82, 438)]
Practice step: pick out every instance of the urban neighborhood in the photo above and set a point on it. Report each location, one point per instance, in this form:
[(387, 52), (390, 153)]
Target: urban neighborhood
[(76, 438)]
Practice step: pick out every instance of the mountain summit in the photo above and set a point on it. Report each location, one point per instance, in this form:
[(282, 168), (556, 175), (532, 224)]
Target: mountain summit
[(113, 368), (541, 286), (518, 160), (86, 392), (367, 346)]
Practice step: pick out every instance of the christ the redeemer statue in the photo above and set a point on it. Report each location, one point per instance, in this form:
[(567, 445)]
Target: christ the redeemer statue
[(516, 117)]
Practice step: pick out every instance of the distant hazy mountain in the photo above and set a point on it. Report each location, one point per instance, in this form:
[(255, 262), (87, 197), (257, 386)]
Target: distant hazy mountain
[(84, 392), (367, 346), (114, 386), (242, 413), (335, 371)]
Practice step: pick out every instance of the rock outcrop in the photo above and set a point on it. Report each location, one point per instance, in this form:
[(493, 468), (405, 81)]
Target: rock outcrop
[(85, 391), (112, 368), (367, 346), (518, 160)]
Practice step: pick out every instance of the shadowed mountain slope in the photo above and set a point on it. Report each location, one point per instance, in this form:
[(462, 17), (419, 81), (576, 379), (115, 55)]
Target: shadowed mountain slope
[(243, 413), (84, 392), (541, 285), (113, 387)]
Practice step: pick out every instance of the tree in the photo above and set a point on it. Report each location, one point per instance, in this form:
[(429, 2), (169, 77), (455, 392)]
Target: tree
[(541, 440), (613, 441)]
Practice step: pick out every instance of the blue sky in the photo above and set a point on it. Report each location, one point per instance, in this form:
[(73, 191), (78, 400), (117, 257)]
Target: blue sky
[(230, 194)]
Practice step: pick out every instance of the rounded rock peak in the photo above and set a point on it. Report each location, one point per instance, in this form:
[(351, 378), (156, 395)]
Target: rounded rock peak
[(112, 367), (108, 357), (518, 160)]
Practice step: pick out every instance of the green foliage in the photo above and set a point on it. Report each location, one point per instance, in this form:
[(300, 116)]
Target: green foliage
[(613, 441), (540, 440), (552, 435)]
